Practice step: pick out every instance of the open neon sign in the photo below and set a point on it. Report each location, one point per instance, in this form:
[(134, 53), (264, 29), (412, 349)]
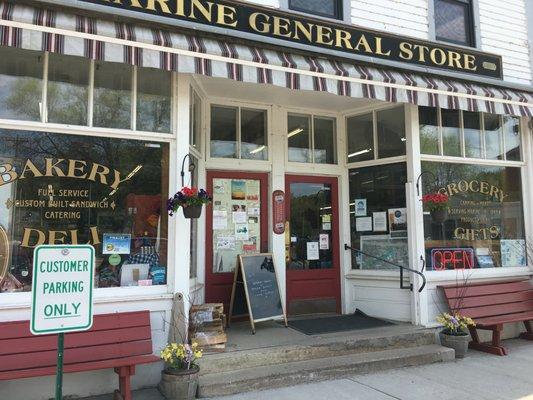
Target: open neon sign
[(452, 258)]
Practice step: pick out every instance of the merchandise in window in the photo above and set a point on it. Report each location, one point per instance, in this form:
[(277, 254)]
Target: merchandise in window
[(154, 92), (311, 139), (21, 83), (324, 8), (378, 216), (454, 21), (239, 133), (383, 130), (71, 189), (483, 223)]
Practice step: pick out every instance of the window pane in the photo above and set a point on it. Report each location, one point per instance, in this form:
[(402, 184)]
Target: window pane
[(68, 89), (511, 128), (223, 132), (112, 95), (360, 138), (453, 22), (154, 93), (429, 130), (196, 121), (99, 190), (21, 74), (485, 223), (254, 134), (324, 131), (472, 126), (391, 132), (299, 138), (378, 194), (329, 8), (493, 136), (451, 133)]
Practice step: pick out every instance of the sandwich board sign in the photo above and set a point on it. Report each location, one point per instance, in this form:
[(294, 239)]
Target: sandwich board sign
[(62, 295)]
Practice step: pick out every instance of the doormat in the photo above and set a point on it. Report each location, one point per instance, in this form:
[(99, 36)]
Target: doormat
[(356, 321)]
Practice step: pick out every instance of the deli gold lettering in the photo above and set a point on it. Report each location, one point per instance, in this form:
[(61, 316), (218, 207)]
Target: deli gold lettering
[(35, 237)]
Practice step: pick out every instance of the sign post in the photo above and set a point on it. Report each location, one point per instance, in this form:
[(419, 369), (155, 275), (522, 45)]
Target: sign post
[(62, 295)]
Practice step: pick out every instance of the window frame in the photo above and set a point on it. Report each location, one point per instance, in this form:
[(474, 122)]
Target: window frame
[(473, 36), (339, 10), (311, 149)]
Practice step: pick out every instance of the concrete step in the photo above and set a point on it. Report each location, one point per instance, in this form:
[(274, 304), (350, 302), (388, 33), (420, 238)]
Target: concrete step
[(315, 348), (292, 373)]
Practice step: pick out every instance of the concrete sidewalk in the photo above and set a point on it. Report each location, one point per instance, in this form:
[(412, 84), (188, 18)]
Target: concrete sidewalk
[(480, 376)]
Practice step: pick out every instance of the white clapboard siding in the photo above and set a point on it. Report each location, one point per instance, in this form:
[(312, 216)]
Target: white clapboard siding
[(503, 28), (403, 17), (268, 3)]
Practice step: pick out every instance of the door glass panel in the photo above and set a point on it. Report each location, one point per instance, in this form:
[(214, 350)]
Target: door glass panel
[(310, 227), (378, 216), (236, 221)]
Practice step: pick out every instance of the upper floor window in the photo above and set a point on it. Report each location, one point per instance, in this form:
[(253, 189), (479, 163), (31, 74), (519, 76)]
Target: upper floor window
[(454, 22), (323, 8)]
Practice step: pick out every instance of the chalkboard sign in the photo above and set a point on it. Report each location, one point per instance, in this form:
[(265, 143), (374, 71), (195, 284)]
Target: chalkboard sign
[(255, 290)]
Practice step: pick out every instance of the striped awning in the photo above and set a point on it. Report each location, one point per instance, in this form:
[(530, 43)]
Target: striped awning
[(99, 39)]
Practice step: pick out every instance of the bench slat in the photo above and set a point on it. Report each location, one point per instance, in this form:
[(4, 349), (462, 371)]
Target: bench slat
[(479, 301), (505, 319), (88, 366), (74, 340), (496, 310), (486, 289), (76, 355), (20, 329)]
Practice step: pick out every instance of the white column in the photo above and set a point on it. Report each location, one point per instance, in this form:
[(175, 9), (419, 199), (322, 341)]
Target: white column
[(277, 148), (415, 224), (182, 226)]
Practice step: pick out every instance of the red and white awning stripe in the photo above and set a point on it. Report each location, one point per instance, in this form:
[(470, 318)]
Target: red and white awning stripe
[(99, 39)]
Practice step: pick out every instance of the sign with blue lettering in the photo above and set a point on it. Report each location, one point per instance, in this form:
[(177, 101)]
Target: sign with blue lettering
[(62, 293)]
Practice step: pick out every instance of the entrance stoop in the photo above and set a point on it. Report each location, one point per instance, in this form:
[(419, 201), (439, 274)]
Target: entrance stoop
[(321, 358)]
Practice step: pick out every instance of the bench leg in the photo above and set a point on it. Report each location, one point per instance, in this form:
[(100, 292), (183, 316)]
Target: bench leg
[(124, 374), (494, 347), (528, 334)]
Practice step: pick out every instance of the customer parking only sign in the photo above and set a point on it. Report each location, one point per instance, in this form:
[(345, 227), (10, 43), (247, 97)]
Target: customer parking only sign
[(62, 289)]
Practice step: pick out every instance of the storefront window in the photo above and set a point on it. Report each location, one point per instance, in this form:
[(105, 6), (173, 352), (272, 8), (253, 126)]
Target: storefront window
[(473, 138), (378, 216), (110, 193), (429, 130), (311, 139), (485, 224), (451, 133), (253, 134), (112, 95), (68, 89), (511, 130), (154, 93), (223, 132), (493, 136), (382, 130), (21, 81)]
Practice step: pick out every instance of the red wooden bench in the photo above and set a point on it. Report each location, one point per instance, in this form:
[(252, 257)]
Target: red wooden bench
[(120, 341), (490, 305)]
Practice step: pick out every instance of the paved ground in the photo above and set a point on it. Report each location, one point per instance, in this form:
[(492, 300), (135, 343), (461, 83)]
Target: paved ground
[(480, 376)]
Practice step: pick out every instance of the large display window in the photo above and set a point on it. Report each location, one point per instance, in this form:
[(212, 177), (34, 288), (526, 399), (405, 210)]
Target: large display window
[(484, 227), (69, 189)]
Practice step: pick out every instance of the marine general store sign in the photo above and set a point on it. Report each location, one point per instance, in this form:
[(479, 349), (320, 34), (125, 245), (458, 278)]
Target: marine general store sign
[(293, 28)]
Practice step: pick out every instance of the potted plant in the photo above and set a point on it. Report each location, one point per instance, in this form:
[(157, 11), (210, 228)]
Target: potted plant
[(454, 334), (190, 200), (179, 379), (437, 204)]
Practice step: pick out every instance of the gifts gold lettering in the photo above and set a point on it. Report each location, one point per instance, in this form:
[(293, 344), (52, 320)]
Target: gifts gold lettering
[(242, 17)]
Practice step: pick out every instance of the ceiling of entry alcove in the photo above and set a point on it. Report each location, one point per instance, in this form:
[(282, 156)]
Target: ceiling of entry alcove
[(269, 94)]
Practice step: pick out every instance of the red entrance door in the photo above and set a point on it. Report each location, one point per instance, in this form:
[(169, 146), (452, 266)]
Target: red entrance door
[(237, 223), (312, 245)]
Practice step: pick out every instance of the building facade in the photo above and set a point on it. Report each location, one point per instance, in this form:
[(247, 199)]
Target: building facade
[(353, 109)]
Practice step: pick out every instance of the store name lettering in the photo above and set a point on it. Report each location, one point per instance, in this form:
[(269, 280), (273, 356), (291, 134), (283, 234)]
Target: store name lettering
[(58, 167), (35, 237), (302, 30), (474, 186)]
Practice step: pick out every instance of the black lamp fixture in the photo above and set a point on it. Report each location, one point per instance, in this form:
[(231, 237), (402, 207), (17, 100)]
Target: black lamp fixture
[(192, 167)]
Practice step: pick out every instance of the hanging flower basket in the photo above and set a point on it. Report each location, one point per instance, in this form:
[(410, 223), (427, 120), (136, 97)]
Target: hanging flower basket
[(191, 200), (437, 204)]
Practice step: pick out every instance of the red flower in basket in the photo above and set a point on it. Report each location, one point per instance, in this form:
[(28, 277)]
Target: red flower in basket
[(435, 201)]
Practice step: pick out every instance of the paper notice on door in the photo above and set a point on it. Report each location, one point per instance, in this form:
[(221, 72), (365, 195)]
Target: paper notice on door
[(324, 241), (363, 224), (326, 226), (240, 217), (220, 220), (313, 251), (226, 243), (380, 221), (242, 232)]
